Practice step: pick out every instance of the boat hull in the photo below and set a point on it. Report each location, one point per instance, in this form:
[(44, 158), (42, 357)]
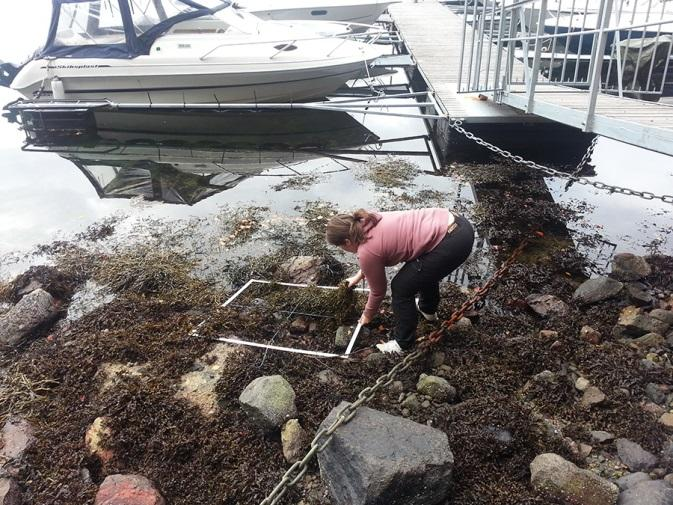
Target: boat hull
[(207, 84)]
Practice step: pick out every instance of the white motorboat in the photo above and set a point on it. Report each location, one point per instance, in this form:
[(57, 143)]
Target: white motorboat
[(138, 51), (350, 11)]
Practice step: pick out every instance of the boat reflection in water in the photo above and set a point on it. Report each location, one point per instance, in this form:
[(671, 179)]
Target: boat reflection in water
[(185, 157)]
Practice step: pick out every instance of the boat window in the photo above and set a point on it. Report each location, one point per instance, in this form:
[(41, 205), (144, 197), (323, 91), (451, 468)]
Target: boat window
[(147, 13), (90, 23)]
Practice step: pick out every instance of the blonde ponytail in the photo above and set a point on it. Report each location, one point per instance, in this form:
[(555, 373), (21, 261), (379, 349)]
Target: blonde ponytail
[(351, 227)]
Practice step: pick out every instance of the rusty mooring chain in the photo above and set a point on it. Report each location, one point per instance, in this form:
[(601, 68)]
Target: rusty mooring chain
[(456, 124), (324, 435)]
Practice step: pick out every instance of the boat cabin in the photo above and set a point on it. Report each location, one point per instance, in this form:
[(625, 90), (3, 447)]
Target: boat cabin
[(115, 28)]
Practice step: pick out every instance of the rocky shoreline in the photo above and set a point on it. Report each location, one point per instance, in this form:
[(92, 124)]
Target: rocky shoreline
[(559, 390)]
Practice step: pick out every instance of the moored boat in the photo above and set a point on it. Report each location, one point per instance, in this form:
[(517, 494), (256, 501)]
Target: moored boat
[(125, 52)]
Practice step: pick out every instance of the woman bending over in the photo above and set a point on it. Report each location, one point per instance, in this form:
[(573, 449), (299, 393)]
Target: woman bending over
[(432, 243)]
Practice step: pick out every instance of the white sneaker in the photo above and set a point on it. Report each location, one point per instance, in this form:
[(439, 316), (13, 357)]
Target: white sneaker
[(390, 347), (428, 317)]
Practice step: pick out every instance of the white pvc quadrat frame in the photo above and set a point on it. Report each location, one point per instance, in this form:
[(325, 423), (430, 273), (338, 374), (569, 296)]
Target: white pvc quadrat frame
[(233, 297)]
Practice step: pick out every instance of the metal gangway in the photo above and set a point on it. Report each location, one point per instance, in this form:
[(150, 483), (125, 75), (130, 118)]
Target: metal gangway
[(598, 65)]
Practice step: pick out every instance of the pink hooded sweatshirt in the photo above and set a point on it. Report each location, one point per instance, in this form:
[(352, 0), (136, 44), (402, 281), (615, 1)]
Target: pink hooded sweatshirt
[(398, 236)]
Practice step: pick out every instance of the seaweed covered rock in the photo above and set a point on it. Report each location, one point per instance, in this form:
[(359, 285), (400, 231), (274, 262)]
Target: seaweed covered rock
[(379, 459), (269, 401), (597, 290), (311, 269), (555, 477), (128, 490), (629, 267), (651, 492), (198, 386), (33, 310)]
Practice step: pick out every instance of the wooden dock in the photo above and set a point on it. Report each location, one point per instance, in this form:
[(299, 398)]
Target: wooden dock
[(433, 36)]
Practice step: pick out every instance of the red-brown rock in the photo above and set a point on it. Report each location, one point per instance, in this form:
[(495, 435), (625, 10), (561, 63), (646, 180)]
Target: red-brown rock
[(128, 490)]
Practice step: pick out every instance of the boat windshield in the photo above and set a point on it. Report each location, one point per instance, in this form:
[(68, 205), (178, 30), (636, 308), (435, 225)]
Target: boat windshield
[(100, 22)]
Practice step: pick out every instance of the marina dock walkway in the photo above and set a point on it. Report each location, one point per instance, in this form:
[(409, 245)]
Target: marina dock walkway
[(433, 36)]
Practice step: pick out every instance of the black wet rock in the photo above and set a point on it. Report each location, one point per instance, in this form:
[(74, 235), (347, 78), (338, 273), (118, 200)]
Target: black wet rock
[(639, 294)]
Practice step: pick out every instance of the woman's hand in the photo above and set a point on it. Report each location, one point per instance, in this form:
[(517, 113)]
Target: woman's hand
[(355, 280), (365, 320)]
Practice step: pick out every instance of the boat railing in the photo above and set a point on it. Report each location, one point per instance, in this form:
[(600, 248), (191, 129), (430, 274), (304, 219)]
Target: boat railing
[(618, 47)]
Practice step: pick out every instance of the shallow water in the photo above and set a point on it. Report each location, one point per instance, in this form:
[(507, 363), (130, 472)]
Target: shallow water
[(45, 196)]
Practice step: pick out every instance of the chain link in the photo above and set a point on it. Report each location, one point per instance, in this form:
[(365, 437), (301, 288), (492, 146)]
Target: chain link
[(324, 436), (586, 157), (456, 124)]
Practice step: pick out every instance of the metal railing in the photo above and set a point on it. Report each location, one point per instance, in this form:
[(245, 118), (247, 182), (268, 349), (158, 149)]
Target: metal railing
[(620, 47)]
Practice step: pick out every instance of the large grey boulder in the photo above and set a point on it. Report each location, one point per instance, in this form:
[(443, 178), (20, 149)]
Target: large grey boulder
[(597, 290), (33, 310), (379, 459), (629, 267), (555, 477), (653, 492), (634, 456), (269, 401)]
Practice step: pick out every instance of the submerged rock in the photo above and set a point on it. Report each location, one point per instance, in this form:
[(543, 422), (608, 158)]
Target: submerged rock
[(89, 297), (652, 492), (128, 490), (308, 269), (597, 290), (629, 267), (555, 477), (365, 465), (33, 310), (269, 401)]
